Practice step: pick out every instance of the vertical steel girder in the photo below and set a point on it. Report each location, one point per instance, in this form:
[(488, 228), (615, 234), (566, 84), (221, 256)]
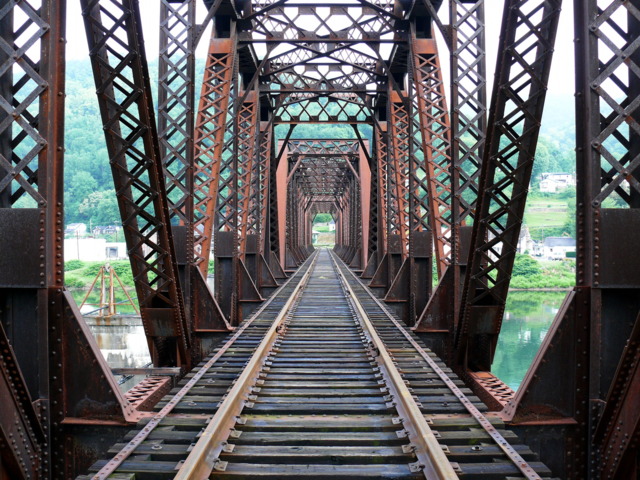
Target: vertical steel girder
[(436, 144), (176, 130), (411, 284), (176, 76), (526, 48), (399, 152), (31, 196), (467, 138), (233, 283), (272, 235), (264, 185), (52, 368), (211, 125), (376, 231), (596, 334), (176, 87), (124, 95), (468, 114), (247, 137)]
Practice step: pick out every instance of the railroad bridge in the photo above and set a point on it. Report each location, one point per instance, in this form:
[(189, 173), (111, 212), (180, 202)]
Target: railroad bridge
[(343, 363)]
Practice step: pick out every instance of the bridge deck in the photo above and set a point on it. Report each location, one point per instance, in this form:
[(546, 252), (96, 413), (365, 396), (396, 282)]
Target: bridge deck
[(308, 387)]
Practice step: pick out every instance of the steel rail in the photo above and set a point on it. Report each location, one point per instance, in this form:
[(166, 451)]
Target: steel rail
[(433, 461), (204, 455), (488, 427), (142, 435)]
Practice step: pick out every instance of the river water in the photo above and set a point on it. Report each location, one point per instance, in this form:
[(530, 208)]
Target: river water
[(528, 316)]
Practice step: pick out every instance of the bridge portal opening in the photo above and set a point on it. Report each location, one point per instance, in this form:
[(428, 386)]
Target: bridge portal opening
[(323, 199), (323, 231)]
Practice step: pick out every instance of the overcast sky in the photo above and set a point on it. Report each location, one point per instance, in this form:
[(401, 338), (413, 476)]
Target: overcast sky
[(561, 82)]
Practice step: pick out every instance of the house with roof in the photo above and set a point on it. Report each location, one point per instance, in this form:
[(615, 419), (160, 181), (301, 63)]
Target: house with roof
[(556, 248), (554, 182)]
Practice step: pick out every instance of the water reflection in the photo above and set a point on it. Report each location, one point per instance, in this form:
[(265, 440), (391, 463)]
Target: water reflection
[(528, 316)]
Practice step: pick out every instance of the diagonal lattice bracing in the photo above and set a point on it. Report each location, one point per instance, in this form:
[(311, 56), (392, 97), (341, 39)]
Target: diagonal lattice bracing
[(520, 86), (211, 123), (248, 150), (124, 95), (264, 180), (22, 87), (430, 103), (468, 97), (176, 106), (615, 87), (399, 152)]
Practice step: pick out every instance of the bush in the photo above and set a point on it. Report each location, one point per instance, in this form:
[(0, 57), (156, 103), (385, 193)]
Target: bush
[(92, 268), (525, 266), (73, 265), (123, 270), (72, 281)]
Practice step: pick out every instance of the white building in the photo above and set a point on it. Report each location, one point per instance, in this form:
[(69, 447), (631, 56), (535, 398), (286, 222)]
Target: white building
[(525, 242), (556, 248), (554, 182), (94, 249)]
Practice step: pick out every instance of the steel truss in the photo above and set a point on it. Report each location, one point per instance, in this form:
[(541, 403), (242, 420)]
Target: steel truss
[(595, 334), (124, 95), (216, 174), (54, 381)]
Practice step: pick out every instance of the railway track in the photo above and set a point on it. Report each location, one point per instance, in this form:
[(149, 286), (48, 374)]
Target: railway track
[(330, 386)]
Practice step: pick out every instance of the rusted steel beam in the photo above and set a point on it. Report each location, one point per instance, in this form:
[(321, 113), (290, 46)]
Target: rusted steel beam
[(399, 159), (375, 245), (176, 129), (22, 436), (410, 287), (49, 353), (211, 124), (379, 221), (436, 143), (132, 143), (468, 112), (594, 336), (176, 90), (618, 431), (522, 72), (247, 157), (468, 131)]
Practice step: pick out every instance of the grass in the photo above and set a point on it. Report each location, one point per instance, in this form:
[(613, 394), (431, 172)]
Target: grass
[(554, 274), (546, 212), (80, 274)]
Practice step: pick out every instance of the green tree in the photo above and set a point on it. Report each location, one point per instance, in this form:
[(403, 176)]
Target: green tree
[(322, 218), (79, 187), (101, 208)]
